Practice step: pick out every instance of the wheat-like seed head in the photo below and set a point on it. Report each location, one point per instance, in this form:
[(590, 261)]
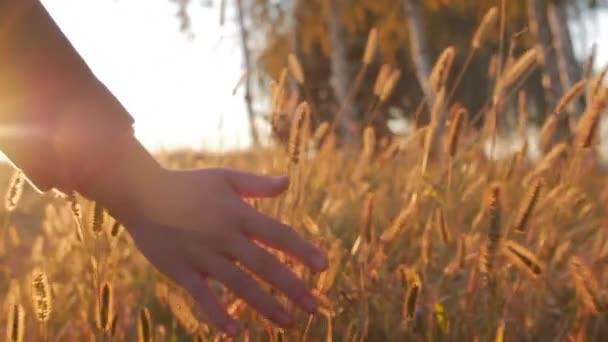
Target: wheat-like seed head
[(454, 132), (369, 142), (441, 69), (105, 308), (15, 189), (320, 133), (183, 314), (400, 221), (144, 326), (442, 226), (366, 230), (488, 23), (587, 287), (547, 132), (523, 258), (41, 296), (527, 207), (297, 134), (522, 66), (389, 85), (414, 286), (381, 78), (116, 229), (15, 326), (98, 218), (589, 122), (598, 83), (570, 96), (295, 67), (370, 47)]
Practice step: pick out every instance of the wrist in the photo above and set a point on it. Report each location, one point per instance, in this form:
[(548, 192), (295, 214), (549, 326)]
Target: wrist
[(123, 180)]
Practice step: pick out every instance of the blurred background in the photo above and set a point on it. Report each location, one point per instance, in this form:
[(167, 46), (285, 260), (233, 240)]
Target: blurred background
[(178, 65)]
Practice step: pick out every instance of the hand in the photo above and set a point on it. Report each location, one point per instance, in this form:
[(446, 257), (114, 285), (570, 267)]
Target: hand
[(193, 225), (205, 227)]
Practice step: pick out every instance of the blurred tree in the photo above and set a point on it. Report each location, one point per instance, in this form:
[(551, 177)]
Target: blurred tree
[(329, 37)]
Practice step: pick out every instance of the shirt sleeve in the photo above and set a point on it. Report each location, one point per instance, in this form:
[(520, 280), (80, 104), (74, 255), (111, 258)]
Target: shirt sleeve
[(57, 120)]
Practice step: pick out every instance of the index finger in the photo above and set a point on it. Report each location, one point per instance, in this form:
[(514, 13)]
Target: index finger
[(282, 237)]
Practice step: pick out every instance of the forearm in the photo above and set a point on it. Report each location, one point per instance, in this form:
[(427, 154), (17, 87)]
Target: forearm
[(121, 181), (58, 119)]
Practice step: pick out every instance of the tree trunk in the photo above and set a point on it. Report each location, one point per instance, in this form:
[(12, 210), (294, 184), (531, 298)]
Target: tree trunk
[(569, 68), (422, 63), (341, 71), (253, 131), (418, 46), (539, 25)]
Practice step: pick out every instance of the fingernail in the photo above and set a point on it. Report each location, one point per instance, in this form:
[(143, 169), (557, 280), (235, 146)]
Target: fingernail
[(319, 262), (310, 303), (283, 317), (232, 328)]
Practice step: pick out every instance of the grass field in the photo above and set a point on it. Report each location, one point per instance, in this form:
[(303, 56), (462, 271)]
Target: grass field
[(430, 237), (474, 248)]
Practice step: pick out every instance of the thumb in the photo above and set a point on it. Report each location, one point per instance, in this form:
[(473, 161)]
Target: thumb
[(252, 185)]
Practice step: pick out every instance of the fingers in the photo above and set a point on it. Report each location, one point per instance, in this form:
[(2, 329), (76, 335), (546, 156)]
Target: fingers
[(277, 235), (247, 288), (273, 271), (252, 185), (208, 302)]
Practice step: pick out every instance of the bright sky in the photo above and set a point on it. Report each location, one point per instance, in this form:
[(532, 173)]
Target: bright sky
[(178, 90)]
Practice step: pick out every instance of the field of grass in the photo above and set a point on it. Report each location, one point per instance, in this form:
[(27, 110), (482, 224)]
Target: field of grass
[(471, 249), (430, 237)]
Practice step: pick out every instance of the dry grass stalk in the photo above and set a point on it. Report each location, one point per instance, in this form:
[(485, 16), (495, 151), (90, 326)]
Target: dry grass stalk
[(527, 207), (105, 308), (297, 132), (500, 331), (523, 258), (181, 311), (116, 229), (144, 326), (295, 68), (458, 263), (570, 96), (425, 243), (414, 286), (515, 73), (320, 133), (15, 326), (399, 223), (389, 85), (77, 214), (326, 279), (494, 230), (370, 47), (381, 79), (589, 122), (454, 132), (522, 112), (599, 83), (587, 287), (486, 27), (442, 226), (548, 163), (369, 142), (547, 132), (441, 69), (366, 230), (98, 218)]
